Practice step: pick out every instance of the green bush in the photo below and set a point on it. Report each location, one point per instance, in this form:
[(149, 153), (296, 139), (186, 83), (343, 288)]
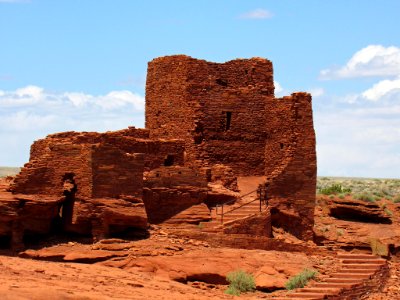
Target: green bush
[(334, 189), (300, 280), (365, 197), (240, 281), (378, 248), (396, 199)]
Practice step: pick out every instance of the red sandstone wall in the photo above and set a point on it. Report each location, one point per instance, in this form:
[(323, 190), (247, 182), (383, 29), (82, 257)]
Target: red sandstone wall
[(107, 172), (190, 99), (45, 173), (290, 164), (116, 173), (175, 195)]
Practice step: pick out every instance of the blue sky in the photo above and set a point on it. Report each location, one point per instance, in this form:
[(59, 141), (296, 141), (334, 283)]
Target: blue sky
[(81, 65)]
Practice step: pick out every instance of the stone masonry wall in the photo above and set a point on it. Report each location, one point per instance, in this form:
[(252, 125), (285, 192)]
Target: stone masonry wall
[(131, 140), (102, 164), (290, 161), (218, 109), (116, 173), (175, 195), (45, 174)]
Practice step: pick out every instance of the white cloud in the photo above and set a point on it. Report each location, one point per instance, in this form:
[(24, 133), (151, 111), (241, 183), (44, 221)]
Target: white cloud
[(278, 88), (258, 13), (373, 60), (118, 99), (26, 121), (78, 99), (30, 91), (359, 138), (317, 92), (383, 89), (36, 96), (32, 112), (358, 142)]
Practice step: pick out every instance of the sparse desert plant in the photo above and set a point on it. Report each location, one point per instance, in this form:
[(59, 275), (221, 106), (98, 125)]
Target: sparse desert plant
[(339, 232), (341, 196), (300, 280), (240, 281), (388, 212), (364, 197), (376, 198), (334, 189), (378, 248), (325, 228), (396, 199)]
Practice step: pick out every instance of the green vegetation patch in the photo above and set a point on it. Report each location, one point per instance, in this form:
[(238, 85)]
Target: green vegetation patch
[(300, 280), (365, 197), (334, 189), (239, 282), (375, 189)]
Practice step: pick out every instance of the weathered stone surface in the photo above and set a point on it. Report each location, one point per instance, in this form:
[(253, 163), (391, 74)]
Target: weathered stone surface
[(26, 214), (227, 114), (290, 164), (259, 224), (218, 109), (362, 211), (270, 269), (175, 195)]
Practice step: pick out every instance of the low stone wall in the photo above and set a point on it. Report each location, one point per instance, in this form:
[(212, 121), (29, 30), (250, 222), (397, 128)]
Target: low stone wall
[(249, 242), (258, 225)]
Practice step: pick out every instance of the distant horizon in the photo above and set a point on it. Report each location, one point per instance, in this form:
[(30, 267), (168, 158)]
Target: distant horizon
[(69, 66), (318, 176)]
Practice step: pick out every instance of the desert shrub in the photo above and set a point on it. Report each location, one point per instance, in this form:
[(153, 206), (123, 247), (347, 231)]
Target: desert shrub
[(376, 198), (300, 280), (334, 189), (339, 232), (365, 197), (388, 212), (240, 281), (378, 248), (396, 199), (341, 196)]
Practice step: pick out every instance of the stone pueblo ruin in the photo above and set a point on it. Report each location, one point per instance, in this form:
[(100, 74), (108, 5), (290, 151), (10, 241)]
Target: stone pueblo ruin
[(222, 178)]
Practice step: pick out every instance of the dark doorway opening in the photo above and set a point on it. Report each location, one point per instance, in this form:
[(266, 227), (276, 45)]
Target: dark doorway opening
[(228, 120), (67, 208), (169, 160)]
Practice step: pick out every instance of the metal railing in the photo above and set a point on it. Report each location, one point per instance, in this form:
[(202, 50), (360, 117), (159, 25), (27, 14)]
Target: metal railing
[(223, 213)]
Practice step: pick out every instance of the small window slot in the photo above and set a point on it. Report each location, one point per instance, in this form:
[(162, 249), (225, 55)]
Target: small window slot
[(228, 120)]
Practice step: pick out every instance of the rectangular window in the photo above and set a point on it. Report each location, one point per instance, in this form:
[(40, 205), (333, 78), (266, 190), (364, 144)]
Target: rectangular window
[(228, 120)]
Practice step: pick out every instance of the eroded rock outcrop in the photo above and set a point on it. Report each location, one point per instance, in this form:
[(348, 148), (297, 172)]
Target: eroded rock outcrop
[(358, 210)]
